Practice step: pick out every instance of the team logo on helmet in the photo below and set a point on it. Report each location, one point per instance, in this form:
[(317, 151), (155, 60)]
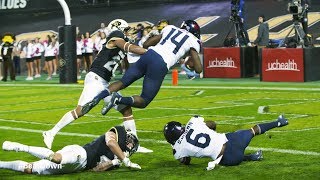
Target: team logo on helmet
[(118, 24)]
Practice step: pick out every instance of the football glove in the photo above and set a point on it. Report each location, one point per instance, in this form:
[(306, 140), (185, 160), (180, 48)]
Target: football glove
[(126, 161)]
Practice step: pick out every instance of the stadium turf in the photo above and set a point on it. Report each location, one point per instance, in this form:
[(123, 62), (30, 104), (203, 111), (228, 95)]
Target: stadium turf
[(291, 152)]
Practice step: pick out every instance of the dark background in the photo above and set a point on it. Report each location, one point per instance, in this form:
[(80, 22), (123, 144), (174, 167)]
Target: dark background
[(48, 15)]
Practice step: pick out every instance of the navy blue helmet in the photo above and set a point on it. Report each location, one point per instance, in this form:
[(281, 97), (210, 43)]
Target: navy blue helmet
[(192, 27), (172, 131)]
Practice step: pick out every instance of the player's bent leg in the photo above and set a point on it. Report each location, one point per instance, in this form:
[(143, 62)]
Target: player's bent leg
[(74, 155), (257, 156), (262, 128), (48, 136)]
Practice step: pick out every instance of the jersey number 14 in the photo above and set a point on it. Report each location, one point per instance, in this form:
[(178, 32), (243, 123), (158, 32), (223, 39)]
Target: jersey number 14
[(173, 39)]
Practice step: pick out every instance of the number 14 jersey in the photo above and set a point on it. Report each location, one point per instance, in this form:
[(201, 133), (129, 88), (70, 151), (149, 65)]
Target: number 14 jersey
[(174, 44), (199, 141)]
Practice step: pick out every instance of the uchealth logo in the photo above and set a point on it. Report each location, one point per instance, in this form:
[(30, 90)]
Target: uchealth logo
[(13, 4), (290, 65), (222, 63)]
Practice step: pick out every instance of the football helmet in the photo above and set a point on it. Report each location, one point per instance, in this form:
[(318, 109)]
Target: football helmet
[(172, 131), (162, 23), (192, 27), (132, 143), (119, 24)]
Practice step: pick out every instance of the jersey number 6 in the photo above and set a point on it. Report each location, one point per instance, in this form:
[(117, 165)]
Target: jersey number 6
[(196, 142)]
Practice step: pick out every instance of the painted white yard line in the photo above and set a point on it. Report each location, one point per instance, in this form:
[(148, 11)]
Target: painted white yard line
[(25, 122), (199, 93), (286, 151), (180, 87)]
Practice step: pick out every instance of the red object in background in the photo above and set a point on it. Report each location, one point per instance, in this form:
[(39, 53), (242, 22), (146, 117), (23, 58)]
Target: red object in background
[(175, 77), (222, 62), (282, 65)]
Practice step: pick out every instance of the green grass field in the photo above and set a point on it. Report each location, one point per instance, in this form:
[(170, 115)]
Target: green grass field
[(291, 152)]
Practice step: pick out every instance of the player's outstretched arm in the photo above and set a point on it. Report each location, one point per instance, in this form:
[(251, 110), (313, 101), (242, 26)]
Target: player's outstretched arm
[(112, 143), (152, 41), (103, 166), (128, 47), (196, 60)]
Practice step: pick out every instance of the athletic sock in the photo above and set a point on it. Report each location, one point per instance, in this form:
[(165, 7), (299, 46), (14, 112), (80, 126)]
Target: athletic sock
[(126, 101), (40, 152), (14, 165), (130, 125), (267, 126), (103, 94), (65, 120)]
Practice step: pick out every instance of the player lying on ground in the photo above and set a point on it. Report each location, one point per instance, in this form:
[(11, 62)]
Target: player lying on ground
[(166, 50), (107, 151), (199, 139), (98, 79)]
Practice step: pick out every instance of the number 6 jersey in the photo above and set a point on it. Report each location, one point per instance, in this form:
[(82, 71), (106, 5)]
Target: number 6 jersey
[(199, 141), (174, 44)]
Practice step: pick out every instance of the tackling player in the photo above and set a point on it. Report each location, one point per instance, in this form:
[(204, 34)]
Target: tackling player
[(98, 79), (171, 45), (107, 151), (199, 139)]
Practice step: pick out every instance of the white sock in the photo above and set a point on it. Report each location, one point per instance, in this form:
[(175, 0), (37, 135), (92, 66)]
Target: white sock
[(130, 125), (65, 120), (40, 152), (14, 165)]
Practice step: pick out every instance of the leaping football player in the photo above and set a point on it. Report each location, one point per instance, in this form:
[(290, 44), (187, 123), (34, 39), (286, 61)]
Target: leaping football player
[(165, 50), (98, 78), (105, 152)]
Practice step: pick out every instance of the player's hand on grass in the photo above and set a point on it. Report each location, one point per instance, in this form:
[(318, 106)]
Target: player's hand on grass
[(126, 161)]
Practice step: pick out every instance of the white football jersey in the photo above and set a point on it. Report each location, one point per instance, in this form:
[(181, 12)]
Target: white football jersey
[(174, 44), (199, 141)]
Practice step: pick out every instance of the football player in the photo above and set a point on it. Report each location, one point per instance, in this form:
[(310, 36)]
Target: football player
[(199, 139), (98, 79), (110, 149), (167, 48)]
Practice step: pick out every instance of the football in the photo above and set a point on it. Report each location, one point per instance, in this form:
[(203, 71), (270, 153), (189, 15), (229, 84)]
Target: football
[(189, 63)]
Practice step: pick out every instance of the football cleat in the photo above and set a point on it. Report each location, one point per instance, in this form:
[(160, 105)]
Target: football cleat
[(12, 146), (114, 98), (48, 138), (88, 106), (282, 121), (257, 156), (143, 150)]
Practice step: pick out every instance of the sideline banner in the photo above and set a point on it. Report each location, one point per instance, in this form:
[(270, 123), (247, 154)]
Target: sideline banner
[(282, 65), (222, 62)]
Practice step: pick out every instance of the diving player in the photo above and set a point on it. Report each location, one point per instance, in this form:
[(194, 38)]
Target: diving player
[(199, 139), (101, 154), (168, 48), (98, 79)]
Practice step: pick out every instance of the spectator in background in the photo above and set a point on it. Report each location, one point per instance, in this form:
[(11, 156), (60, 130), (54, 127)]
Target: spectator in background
[(29, 60), (88, 46), (102, 40), (80, 48), (96, 43), (49, 55), (105, 29), (37, 52), (261, 41), (55, 46), (16, 57)]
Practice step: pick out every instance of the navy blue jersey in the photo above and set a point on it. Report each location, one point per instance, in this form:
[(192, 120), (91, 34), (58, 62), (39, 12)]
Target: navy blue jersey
[(98, 147), (107, 58)]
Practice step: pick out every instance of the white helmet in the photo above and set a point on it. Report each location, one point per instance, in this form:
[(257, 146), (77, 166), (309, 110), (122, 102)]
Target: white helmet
[(118, 24)]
